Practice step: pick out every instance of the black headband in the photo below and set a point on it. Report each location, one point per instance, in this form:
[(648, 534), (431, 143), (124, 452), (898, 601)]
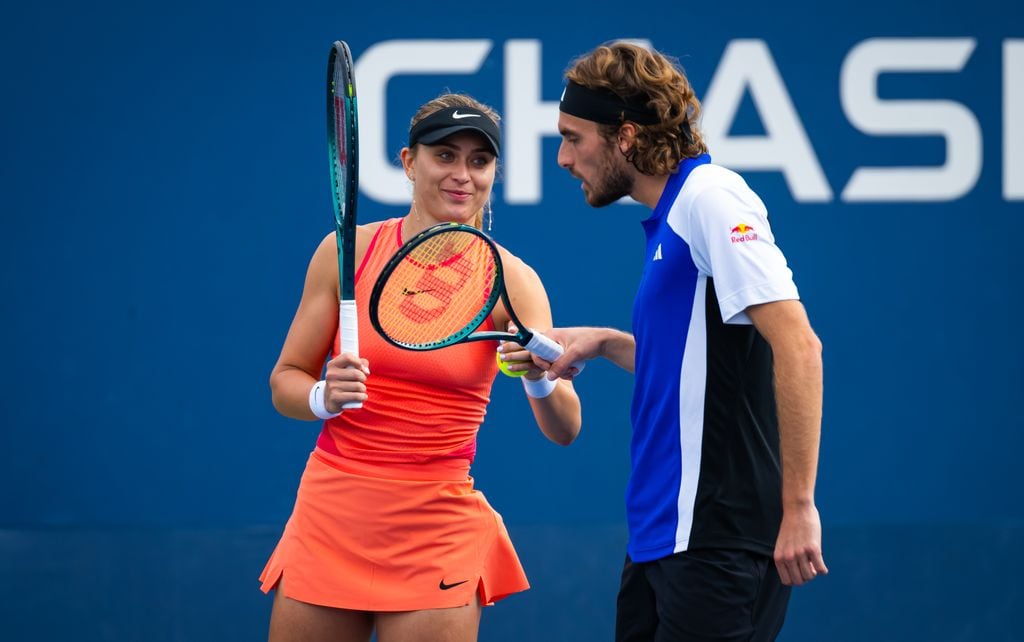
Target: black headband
[(445, 122), (605, 106), (608, 108)]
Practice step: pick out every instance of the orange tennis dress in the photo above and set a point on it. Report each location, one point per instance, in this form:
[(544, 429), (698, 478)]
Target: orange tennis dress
[(386, 517)]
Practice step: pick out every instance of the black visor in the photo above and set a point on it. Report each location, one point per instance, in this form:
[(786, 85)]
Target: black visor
[(442, 124)]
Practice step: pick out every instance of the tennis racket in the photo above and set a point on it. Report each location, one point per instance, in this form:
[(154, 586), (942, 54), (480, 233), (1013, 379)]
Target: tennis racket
[(343, 150), (440, 286)]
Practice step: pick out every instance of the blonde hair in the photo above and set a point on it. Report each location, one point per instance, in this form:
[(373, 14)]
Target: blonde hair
[(444, 101), (630, 70)]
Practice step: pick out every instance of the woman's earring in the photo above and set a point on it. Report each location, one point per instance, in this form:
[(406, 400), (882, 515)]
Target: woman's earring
[(490, 215)]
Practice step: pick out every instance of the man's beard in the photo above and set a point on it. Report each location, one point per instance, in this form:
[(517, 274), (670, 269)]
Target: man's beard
[(615, 182)]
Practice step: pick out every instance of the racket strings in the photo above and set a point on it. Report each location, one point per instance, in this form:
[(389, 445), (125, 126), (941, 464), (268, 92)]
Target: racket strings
[(340, 133), (439, 290)]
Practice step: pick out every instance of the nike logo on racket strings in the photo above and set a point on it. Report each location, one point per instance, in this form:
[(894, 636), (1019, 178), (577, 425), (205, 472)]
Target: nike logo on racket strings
[(445, 587), (456, 115)]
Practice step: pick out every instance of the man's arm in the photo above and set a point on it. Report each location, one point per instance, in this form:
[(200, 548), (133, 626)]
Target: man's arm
[(583, 344), (798, 392)]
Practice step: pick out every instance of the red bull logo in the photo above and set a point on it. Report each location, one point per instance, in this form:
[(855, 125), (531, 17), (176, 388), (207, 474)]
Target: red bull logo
[(743, 233)]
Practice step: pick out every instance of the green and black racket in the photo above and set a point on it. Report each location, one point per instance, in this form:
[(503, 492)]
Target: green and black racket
[(343, 150), (440, 286)]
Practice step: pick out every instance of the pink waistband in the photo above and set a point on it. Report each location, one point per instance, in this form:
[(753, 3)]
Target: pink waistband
[(444, 469)]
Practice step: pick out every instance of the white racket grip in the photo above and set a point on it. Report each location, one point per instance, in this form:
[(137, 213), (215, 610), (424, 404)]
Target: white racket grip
[(548, 349), (348, 327)]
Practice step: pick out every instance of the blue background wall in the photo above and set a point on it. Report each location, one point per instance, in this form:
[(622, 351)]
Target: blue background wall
[(165, 183)]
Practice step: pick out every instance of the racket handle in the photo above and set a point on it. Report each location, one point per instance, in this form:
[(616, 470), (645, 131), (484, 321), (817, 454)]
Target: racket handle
[(548, 349), (348, 326)]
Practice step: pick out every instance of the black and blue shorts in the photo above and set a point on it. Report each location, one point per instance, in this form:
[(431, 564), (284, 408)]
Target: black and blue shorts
[(709, 594)]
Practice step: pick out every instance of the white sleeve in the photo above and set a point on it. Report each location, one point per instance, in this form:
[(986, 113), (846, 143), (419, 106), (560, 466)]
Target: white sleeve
[(731, 241)]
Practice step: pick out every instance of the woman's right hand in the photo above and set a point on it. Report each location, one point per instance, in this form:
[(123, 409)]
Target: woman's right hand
[(345, 381)]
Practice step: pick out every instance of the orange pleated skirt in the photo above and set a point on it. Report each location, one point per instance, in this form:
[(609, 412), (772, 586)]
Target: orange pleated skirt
[(360, 539)]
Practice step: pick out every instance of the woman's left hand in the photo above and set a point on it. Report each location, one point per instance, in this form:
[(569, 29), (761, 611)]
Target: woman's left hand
[(517, 358)]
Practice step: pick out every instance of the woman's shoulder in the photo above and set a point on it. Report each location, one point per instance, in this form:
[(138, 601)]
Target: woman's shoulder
[(366, 232), (372, 227), (515, 267)]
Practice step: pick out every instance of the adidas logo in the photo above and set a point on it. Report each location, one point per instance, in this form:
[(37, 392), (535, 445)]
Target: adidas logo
[(657, 253)]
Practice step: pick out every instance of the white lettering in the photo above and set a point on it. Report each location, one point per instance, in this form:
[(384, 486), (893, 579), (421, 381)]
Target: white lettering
[(951, 120), (748, 65), (1013, 120), (527, 120)]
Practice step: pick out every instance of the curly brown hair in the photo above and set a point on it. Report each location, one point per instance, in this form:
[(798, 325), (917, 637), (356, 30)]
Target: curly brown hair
[(444, 101), (630, 70)]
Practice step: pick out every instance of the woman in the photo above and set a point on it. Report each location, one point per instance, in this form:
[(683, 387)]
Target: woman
[(388, 532)]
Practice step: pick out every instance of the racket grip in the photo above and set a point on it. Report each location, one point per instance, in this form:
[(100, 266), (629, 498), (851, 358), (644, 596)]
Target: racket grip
[(348, 326), (548, 349)]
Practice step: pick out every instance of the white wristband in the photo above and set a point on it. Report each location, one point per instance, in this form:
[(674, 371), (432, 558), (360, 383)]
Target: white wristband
[(540, 388), (316, 401)]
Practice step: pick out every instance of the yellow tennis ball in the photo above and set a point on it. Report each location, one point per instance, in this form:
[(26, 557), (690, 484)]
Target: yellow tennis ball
[(503, 366)]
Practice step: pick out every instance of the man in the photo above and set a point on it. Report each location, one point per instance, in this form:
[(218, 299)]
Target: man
[(726, 409)]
